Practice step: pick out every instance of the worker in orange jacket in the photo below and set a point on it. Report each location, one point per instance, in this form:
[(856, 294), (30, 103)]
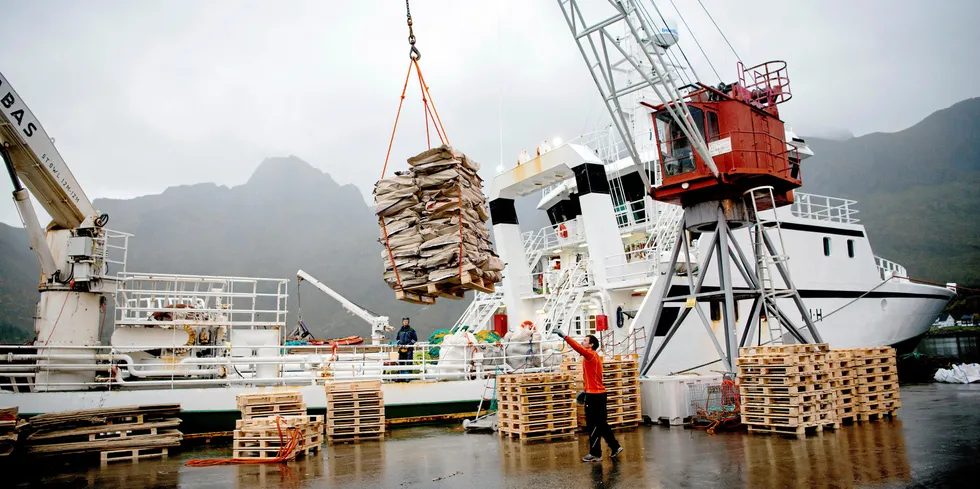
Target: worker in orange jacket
[(595, 400)]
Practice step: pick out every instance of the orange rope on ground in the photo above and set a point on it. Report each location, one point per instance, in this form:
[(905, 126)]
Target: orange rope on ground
[(287, 451)]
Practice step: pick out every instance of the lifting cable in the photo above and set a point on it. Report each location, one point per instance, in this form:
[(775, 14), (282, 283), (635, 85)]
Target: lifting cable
[(432, 117)]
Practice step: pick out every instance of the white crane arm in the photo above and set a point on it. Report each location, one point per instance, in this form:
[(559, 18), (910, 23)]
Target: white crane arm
[(38, 163), (374, 320)]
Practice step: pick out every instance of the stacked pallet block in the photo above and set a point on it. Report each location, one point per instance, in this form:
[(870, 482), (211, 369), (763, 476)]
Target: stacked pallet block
[(843, 380), (875, 377), (621, 378), (128, 433), (536, 406), (786, 389), (269, 420), (355, 411)]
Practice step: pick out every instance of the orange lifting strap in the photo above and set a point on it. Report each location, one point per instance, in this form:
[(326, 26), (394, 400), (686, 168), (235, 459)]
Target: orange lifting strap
[(431, 116)]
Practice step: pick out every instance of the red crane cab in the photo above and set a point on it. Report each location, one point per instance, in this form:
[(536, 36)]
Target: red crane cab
[(746, 139)]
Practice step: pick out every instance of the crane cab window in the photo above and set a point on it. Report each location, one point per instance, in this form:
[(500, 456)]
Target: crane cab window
[(712, 127), (676, 152)]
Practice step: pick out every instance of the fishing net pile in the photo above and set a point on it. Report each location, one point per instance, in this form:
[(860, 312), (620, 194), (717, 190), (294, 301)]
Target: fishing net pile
[(433, 226)]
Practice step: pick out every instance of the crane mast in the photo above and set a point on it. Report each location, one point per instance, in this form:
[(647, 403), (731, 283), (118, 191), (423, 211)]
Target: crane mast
[(75, 252)]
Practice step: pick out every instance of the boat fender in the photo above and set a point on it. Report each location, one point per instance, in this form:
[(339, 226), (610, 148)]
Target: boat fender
[(619, 317)]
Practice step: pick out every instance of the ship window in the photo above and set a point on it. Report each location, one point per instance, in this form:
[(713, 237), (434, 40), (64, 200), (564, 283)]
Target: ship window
[(826, 246), (713, 131), (677, 155), (716, 310), (850, 248)]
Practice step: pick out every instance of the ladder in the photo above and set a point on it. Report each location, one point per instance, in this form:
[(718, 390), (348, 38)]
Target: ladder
[(765, 260)]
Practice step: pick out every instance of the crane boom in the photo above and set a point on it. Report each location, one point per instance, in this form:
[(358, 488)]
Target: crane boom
[(38, 164), (379, 324)]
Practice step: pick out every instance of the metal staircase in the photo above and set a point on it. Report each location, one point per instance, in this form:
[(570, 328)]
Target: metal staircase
[(478, 314), (566, 297), (534, 247)]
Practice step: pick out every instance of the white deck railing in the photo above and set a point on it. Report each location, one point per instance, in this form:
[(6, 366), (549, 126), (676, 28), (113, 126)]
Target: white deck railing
[(890, 270), (823, 208)]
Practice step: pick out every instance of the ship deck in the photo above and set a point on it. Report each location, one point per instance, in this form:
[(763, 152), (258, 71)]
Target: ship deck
[(933, 442)]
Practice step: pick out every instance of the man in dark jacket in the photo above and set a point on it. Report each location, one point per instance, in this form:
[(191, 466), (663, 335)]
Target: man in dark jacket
[(405, 338)]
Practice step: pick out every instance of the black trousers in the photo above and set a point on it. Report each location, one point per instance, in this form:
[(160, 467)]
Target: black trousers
[(595, 422)]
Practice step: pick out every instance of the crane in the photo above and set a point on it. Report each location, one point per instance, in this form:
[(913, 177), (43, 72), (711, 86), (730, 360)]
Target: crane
[(73, 251), (379, 324), (721, 155)]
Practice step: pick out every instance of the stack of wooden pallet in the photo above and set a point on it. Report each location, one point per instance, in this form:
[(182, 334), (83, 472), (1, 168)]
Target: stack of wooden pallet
[(355, 411), (10, 424), (786, 389), (876, 382), (270, 420), (621, 378), (536, 406), (123, 433), (843, 379)]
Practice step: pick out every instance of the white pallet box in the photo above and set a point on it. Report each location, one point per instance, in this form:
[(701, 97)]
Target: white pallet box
[(668, 397)]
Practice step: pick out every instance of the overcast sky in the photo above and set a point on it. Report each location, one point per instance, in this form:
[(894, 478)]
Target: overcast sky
[(143, 95)]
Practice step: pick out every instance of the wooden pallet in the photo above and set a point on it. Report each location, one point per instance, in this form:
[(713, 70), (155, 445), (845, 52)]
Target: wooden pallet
[(265, 398), (809, 419), (270, 453), (355, 429), (877, 388), (538, 426), (876, 416), (357, 412), (778, 390), (347, 406), (780, 349), (534, 378), (354, 386), (534, 407), (779, 410), (538, 416), (555, 387), (273, 409), (132, 455), (354, 421), (798, 431), (355, 438), (784, 380), (568, 395), (284, 421), (535, 437), (414, 298), (796, 399), (769, 370), (781, 360)]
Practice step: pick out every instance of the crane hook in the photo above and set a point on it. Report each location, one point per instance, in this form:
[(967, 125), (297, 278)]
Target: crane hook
[(414, 51)]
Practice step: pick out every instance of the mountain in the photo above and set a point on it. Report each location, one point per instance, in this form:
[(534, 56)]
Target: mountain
[(918, 191), (288, 216)]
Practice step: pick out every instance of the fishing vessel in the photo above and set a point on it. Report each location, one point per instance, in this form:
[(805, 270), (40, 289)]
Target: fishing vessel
[(606, 265)]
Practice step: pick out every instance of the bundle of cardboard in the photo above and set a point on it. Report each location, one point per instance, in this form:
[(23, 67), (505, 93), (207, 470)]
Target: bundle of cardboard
[(433, 229)]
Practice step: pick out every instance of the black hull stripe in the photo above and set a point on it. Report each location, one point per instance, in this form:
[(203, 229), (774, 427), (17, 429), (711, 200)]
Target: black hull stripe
[(810, 228), (679, 290)]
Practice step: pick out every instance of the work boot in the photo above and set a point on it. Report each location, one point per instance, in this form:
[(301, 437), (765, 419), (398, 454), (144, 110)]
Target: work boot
[(616, 452), (591, 458)]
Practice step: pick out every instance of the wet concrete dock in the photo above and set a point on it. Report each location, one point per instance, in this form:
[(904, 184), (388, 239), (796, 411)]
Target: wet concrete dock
[(934, 442)]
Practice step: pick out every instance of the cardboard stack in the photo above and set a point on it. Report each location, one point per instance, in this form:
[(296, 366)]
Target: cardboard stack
[(433, 228)]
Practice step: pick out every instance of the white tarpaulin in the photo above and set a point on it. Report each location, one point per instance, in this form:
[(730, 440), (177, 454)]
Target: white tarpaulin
[(965, 373)]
